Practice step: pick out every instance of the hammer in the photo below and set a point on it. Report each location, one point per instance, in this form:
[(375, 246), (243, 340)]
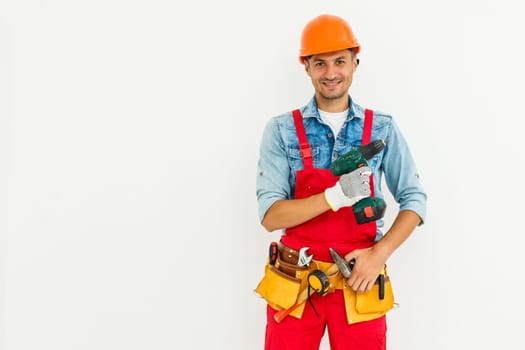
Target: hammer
[(346, 270), (344, 267)]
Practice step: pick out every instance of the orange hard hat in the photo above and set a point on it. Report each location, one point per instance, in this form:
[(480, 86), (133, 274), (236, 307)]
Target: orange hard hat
[(326, 33)]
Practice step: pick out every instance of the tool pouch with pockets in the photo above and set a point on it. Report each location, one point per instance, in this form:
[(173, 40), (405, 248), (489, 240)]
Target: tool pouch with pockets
[(277, 288), (282, 283), (368, 306), (369, 302)]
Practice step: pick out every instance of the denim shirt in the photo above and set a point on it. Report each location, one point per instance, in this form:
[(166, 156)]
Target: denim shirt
[(280, 157)]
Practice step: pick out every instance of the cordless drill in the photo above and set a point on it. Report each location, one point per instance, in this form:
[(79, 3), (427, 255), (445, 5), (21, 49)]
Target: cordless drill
[(370, 208)]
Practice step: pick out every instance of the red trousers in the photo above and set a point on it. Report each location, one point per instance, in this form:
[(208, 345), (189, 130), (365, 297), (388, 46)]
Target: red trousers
[(306, 333)]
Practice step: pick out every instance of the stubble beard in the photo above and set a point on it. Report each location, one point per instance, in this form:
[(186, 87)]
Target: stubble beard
[(332, 96)]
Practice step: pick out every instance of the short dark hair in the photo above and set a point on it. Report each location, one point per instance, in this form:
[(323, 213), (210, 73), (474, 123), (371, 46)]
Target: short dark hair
[(351, 49)]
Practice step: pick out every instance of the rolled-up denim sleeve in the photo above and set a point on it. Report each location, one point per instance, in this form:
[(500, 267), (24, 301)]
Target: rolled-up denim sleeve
[(401, 174), (273, 170)]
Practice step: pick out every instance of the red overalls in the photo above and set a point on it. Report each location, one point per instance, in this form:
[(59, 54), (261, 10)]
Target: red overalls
[(340, 231)]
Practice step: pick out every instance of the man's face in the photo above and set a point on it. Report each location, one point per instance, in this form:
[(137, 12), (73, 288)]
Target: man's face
[(331, 74)]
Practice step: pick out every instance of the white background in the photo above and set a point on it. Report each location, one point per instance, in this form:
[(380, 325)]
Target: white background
[(129, 135)]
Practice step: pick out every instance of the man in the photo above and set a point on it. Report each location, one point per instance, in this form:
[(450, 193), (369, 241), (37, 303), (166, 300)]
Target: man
[(297, 192)]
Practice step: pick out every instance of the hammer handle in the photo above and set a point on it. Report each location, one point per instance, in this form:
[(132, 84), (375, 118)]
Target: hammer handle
[(303, 296)]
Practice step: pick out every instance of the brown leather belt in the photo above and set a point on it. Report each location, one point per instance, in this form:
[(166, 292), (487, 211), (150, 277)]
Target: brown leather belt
[(287, 254)]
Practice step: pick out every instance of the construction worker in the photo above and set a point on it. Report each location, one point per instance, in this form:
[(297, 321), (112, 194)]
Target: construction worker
[(298, 194)]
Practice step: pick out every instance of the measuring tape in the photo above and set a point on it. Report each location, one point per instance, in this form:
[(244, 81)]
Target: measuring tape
[(318, 281)]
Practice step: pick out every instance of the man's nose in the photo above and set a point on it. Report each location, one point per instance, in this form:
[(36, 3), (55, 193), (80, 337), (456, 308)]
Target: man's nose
[(331, 71)]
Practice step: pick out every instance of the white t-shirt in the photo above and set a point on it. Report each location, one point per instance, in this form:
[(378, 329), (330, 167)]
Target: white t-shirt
[(334, 120)]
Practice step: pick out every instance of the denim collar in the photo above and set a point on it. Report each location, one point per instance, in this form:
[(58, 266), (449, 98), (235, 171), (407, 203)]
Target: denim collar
[(311, 111)]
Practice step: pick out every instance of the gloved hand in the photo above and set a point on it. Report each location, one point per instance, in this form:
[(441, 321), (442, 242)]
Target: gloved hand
[(350, 189)]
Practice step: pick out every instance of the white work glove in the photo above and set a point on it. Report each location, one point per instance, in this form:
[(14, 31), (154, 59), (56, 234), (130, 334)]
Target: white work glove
[(350, 189)]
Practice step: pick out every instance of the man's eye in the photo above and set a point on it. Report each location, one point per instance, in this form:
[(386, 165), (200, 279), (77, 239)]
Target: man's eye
[(319, 64), (340, 62)]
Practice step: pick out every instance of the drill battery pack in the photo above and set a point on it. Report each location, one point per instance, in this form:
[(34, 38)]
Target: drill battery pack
[(369, 209)]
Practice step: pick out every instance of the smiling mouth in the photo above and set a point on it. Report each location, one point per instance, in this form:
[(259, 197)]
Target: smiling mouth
[(331, 82)]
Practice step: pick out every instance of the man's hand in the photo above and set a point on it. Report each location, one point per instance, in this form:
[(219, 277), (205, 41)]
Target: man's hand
[(350, 189), (367, 267)]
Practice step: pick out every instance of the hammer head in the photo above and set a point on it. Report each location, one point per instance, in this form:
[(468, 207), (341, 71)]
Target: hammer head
[(341, 263)]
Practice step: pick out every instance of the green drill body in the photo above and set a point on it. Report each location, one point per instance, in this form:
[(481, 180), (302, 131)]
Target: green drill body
[(348, 162), (370, 208)]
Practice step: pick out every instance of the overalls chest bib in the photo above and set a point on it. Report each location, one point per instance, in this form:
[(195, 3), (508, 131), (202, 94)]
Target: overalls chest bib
[(338, 230)]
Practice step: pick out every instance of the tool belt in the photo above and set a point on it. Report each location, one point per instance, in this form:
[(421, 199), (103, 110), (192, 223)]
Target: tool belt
[(284, 282)]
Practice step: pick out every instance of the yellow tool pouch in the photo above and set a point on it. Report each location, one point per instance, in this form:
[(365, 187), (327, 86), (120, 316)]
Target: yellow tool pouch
[(277, 288), (283, 282), (368, 306), (369, 302), (281, 290)]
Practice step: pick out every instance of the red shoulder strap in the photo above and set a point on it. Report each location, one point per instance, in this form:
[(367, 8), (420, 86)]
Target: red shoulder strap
[(367, 137), (304, 146), (306, 150), (367, 128)]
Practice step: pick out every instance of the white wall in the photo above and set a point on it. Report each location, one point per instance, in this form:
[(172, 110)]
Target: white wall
[(129, 140), (4, 160)]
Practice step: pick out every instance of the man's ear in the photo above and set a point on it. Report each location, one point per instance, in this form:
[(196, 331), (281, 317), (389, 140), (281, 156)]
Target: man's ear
[(307, 67)]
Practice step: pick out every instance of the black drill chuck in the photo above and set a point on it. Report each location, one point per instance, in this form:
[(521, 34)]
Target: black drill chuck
[(371, 149), (356, 158)]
